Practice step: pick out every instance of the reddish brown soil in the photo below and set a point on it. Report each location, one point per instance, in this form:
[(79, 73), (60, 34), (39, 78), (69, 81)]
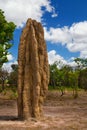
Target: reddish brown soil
[(60, 113)]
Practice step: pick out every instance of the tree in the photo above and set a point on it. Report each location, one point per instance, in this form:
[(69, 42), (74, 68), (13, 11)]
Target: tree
[(3, 76), (81, 68), (64, 77), (83, 79), (54, 75), (73, 82), (6, 35), (13, 76), (81, 63), (65, 74), (59, 77)]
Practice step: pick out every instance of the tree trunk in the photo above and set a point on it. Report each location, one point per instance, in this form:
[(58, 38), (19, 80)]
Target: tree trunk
[(3, 85)]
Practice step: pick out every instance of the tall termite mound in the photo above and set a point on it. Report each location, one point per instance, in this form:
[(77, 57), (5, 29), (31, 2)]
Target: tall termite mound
[(33, 70)]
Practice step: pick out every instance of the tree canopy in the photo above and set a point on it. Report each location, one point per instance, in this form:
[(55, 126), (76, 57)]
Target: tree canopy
[(67, 77), (81, 63), (6, 35)]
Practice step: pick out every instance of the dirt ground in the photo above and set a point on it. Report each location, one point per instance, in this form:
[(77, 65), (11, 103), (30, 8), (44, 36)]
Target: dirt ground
[(60, 113)]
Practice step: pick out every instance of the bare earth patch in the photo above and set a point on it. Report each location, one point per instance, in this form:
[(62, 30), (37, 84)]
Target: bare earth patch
[(60, 113)]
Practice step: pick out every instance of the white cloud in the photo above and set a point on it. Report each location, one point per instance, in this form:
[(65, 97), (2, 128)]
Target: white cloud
[(71, 62), (19, 11), (53, 56), (57, 35), (54, 13), (84, 53), (10, 57), (7, 66), (74, 37)]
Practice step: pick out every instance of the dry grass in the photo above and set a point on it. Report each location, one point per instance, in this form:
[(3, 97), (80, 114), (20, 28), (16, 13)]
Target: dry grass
[(60, 113)]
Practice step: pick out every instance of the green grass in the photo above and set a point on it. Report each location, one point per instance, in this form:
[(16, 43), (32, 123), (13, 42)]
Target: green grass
[(51, 88), (9, 92)]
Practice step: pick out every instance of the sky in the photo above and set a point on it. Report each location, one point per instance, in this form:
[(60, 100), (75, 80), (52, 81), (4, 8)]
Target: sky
[(64, 23)]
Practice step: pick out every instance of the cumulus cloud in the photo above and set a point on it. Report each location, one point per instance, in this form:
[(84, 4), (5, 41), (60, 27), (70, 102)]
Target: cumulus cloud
[(10, 57), (53, 57), (84, 53), (19, 11), (71, 62), (74, 38), (57, 35), (11, 60), (7, 66)]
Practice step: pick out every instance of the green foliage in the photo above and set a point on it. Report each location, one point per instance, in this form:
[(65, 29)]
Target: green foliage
[(6, 35), (12, 80), (67, 77), (3, 77), (81, 63), (82, 72), (73, 79), (65, 70), (4, 92), (53, 74), (83, 79), (59, 77), (14, 67), (13, 95), (8, 93)]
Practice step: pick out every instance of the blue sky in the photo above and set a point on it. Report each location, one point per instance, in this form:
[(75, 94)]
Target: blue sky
[(64, 22)]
